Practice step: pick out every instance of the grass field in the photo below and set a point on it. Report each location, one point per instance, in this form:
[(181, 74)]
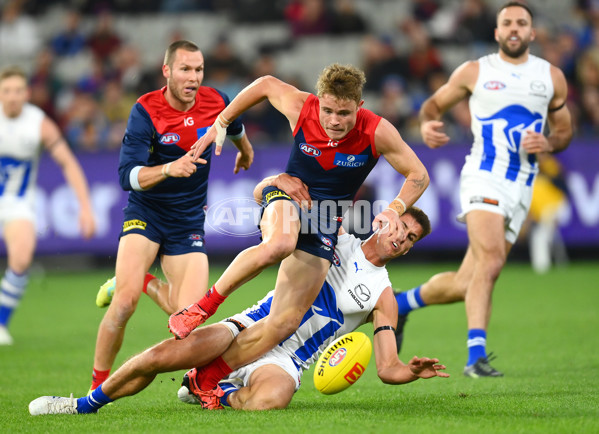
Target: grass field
[(544, 331)]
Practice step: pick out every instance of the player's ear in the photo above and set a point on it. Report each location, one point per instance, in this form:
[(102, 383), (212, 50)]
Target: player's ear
[(166, 71), (533, 34)]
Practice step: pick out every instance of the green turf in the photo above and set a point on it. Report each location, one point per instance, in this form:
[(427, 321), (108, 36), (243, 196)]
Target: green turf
[(543, 330)]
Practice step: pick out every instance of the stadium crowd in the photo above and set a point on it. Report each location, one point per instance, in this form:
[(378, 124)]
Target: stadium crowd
[(88, 74)]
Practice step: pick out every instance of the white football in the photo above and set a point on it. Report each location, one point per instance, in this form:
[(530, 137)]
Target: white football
[(342, 363)]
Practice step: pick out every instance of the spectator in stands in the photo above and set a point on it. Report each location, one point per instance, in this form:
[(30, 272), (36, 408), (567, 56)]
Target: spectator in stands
[(308, 17), (263, 122), (346, 19), (19, 40), (86, 128), (44, 85), (225, 70), (70, 41), (423, 59), (475, 23), (104, 40), (128, 68), (424, 10), (380, 60), (395, 105)]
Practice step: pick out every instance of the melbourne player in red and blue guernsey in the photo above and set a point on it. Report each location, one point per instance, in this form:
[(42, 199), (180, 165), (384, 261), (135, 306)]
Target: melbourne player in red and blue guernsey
[(337, 143), (165, 212)]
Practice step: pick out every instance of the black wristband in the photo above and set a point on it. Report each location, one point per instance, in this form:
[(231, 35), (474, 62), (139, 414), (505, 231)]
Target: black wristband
[(381, 328)]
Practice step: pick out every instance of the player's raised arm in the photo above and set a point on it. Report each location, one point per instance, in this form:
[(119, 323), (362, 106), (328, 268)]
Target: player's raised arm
[(389, 143), (286, 98), (390, 369), (459, 86)]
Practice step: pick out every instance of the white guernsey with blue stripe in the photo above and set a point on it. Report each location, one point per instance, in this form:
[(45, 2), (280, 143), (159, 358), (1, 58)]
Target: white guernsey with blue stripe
[(507, 101), (348, 296), (20, 146)]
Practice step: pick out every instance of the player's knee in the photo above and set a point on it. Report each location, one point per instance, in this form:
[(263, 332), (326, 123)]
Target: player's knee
[(277, 249), (153, 360), (20, 264), (494, 265), (265, 402), (284, 324), (123, 307)]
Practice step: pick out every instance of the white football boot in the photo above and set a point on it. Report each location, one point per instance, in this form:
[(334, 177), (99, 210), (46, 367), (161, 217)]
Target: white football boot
[(5, 337), (53, 405)]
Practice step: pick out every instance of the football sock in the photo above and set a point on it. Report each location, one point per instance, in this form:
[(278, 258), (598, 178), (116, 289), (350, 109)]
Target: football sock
[(228, 388), (409, 300), (92, 402), (477, 342), (212, 373), (211, 301), (98, 377), (149, 277), (12, 288)]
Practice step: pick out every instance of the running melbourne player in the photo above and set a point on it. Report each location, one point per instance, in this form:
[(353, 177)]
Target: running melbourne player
[(165, 213)]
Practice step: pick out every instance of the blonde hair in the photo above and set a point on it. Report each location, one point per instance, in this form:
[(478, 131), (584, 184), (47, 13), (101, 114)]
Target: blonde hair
[(343, 82), (12, 71)]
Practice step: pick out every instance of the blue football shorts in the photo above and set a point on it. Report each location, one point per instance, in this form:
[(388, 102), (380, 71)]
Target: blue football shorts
[(318, 232), (175, 238)]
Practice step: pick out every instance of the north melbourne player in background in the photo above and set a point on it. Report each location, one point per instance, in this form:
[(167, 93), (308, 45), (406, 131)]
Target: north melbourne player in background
[(271, 381), (337, 143), (24, 130), (165, 213), (512, 95)]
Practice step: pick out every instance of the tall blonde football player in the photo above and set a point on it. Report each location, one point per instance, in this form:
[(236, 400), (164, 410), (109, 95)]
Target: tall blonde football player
[(24, 131), (513, 94)]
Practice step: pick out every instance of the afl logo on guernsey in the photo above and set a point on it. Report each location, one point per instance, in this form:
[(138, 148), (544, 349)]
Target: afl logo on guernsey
[(309, 150), (170, 139), (326, 241), (494, 85)]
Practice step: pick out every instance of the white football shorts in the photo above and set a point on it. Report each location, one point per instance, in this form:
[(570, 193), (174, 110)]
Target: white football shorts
[(481, 190), (12, 208), (276, 356)]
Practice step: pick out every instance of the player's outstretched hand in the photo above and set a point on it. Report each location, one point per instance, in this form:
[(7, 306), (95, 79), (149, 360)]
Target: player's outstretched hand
[(295, 188), (423, 367), (388, 220), (432, 134)]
